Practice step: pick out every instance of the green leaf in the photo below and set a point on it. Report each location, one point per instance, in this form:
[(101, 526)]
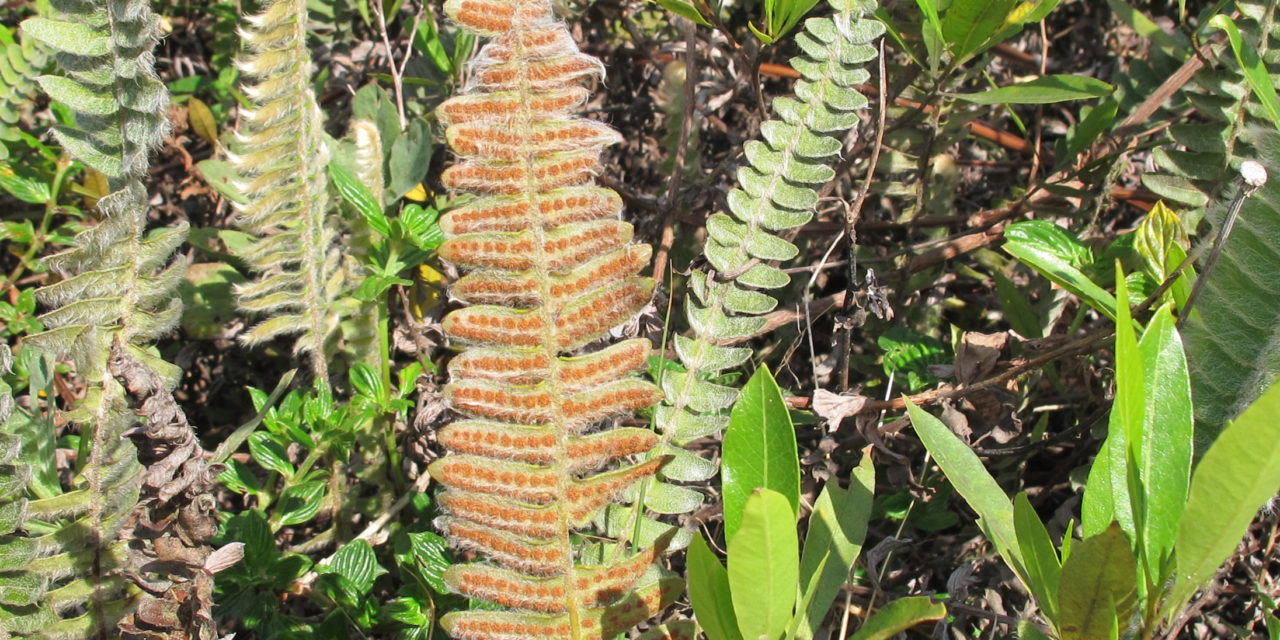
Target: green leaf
[(430, 555), (709, 593), (908, 354), (837, 530), (1083, 135), (1058, 256), (684, 9), (1168, 431), (1098, 590), (269, 454), (1160, 240), (931, 32), (301, 502), (1043, 565), (22, 187), (898, 616), (969, 25), (764, 567), (759, 449), (1147, 28), (1046, 90), (1107, 496), (972, 481), (356, 562), (359, 197), (408, 159), (1255, 72), (783, 15), (1236, 476), (423, 225)]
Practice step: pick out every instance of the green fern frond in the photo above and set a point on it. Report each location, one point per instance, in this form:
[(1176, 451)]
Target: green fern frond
[(776, 192), (281, 160), (117, 291), (21, 62), (1233, 348), (1233, 343), (1198, 167)]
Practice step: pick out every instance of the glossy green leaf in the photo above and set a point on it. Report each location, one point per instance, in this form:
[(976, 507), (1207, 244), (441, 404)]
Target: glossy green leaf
[(1046, 90), (1168, 431), (1098, 589), (1255, 72), (269, 454), (973, 482), (759, 449), (781, 16), (356, 562), (709, 593), (898, 616), (1236, 476), (1058, 256), (358, 196), (764, 565), (1106, 497), (301, 502), (1043, 564), (837, 529)]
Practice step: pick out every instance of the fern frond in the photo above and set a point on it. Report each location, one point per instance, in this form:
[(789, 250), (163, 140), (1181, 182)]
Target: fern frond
[(1232, 347), (281, 160), (1198, 167), (117, 293), (552, 270), (21, 62), (776, 192), (1233, 343)]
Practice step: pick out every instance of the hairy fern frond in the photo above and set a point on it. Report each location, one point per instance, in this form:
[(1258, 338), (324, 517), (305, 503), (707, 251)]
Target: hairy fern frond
[(776, 192), (21, 62), (1197, 168), (1232, 346), (20, 590), (1233, 342), (552, 270), (117, 293), (281, 160)]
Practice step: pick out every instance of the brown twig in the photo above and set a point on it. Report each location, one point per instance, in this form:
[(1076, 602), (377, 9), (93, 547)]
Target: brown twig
[(669, 204)]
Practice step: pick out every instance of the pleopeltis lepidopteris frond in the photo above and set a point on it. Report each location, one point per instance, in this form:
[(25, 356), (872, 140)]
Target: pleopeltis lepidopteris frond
[(281, 159), (552, 270), (117, 292)]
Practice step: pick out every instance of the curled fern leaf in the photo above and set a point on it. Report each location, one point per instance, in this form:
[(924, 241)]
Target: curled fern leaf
[(117, 292), (552, 270), (776, 192), (281, 162)]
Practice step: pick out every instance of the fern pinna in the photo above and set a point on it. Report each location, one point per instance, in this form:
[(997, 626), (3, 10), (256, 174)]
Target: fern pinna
[(552, 270)]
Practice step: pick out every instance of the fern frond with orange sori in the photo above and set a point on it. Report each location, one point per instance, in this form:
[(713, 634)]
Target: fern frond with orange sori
[(551, 270)]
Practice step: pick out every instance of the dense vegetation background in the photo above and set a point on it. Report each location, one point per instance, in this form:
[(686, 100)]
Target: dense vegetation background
[(964, 254)]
